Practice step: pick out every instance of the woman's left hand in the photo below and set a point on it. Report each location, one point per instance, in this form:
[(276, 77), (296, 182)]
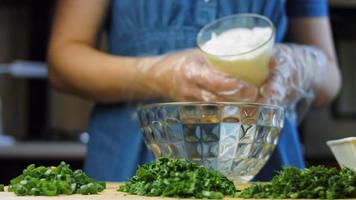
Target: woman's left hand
[(295, 70)]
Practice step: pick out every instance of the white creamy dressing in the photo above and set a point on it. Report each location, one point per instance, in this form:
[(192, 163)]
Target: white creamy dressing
[(242, 52), (237, 41)]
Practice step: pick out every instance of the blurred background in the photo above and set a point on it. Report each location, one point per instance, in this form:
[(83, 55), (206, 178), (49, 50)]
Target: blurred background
[(42, 126)]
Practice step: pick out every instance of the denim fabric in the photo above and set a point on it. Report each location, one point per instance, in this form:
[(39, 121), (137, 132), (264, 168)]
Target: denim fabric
[(152, 27), (307, 8)]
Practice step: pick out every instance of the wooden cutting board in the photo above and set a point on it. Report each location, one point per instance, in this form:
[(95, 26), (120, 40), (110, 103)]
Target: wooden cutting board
[(109, 193)]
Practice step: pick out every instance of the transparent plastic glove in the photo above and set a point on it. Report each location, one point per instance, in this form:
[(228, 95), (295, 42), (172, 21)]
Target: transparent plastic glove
[(295, 71), (185, 76)]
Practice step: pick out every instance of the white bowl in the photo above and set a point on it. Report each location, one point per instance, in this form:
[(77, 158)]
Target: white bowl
[(344, 151)]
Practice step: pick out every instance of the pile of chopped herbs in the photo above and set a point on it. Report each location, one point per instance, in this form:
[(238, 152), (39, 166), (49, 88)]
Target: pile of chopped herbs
[(1, 187), (51, 181), (314, 182), (178, 178)]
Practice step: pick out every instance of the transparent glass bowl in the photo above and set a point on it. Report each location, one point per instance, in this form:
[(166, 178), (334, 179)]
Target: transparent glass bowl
[(234, 138)]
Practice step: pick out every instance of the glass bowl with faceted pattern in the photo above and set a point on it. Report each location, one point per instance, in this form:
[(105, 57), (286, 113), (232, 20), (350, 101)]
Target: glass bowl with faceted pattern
[(234, 138)]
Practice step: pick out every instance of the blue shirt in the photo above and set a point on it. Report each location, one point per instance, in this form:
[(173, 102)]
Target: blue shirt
[(152, 27)]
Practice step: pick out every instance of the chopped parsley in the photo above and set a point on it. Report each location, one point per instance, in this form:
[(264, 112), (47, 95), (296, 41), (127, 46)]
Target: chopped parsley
[(178, 178), (314, 182)]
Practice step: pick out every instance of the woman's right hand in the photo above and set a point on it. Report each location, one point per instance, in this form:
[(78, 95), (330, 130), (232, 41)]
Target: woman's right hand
[(185, 76)]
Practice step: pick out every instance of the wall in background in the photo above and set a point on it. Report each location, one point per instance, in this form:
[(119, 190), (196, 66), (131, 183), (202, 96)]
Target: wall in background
[(339, 120), (14, 43)]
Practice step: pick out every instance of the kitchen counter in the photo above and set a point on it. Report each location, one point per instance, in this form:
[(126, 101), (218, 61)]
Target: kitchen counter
[(43, 150), (109, 193)]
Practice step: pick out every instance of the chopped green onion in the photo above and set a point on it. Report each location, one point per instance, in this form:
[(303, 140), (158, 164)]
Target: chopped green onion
[(52, 181)]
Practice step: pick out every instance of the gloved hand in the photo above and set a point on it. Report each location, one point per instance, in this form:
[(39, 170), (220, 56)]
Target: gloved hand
[(185, 76), (296, 70)]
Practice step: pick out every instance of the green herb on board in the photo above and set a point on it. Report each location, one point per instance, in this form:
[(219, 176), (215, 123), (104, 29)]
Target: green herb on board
[(51, 181), (178, 178), (314, 182), (2, 187)]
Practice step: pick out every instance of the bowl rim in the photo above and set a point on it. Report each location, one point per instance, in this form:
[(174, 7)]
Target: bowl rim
[(341, 141), (250, 15), (218, 103)]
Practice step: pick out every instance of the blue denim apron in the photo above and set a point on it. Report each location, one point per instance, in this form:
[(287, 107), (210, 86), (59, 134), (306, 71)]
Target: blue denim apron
[(152, 27)]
